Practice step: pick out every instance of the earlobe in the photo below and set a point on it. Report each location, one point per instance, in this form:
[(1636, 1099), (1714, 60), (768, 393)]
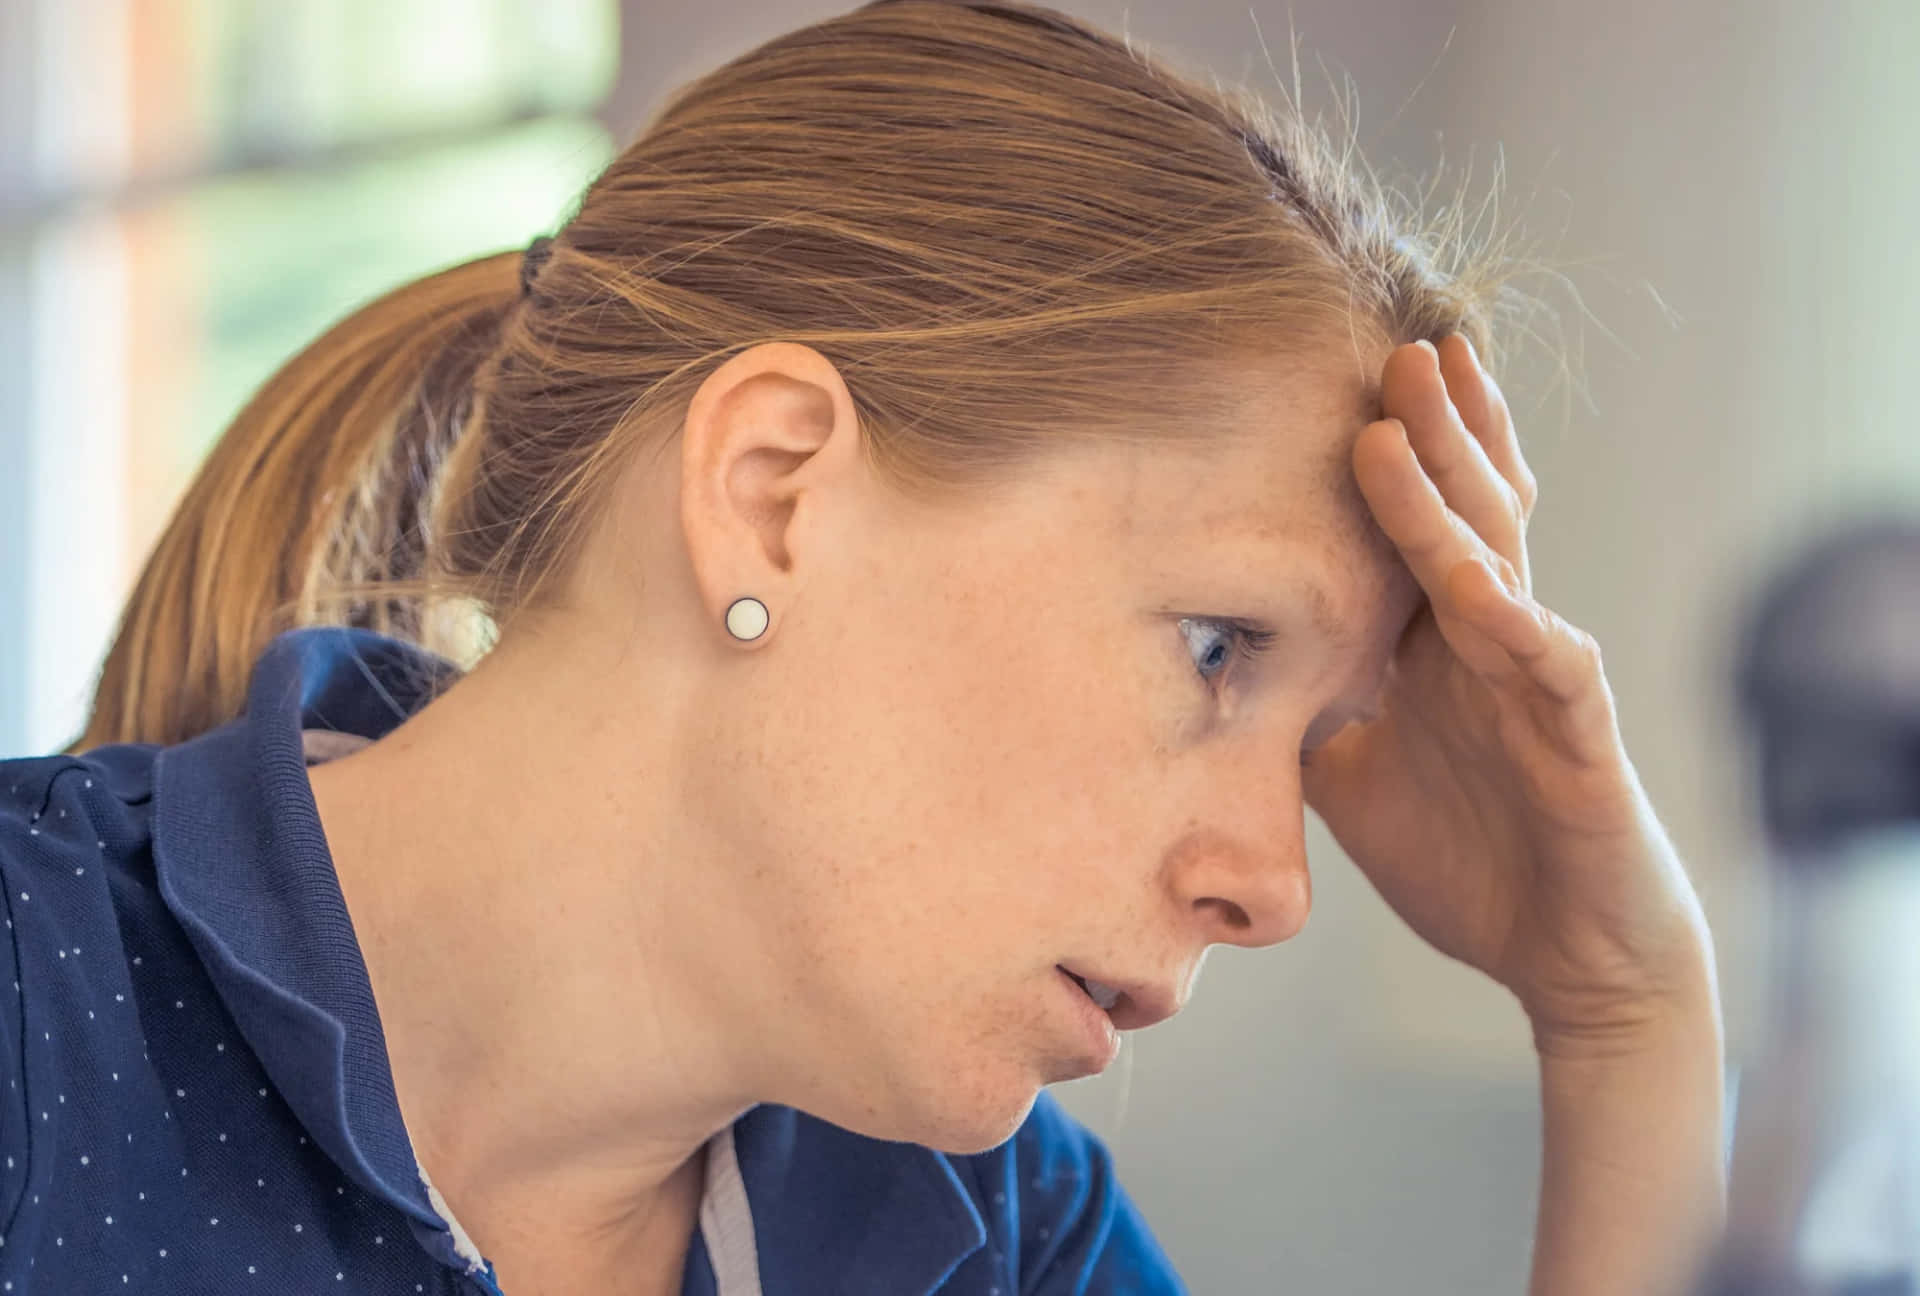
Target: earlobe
[(770, 425)]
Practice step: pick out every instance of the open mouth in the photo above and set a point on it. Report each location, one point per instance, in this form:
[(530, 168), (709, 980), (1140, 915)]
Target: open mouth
[(1104, 995)]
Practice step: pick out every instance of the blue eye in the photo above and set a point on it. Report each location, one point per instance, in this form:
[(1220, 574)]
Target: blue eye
[(1217, 641)]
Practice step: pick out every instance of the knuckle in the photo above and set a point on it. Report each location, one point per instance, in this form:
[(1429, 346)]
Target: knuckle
[(1528, 490)]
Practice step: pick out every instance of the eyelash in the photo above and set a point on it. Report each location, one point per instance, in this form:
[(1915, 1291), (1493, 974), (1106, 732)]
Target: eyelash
[(1249, 641)]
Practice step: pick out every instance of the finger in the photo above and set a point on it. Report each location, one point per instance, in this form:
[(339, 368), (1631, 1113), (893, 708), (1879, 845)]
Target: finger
[(1545, 651), (1484, 410), (1414, 390), (1430, 536)]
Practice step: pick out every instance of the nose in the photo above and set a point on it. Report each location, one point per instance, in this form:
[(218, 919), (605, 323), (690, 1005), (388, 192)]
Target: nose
[(1241, 877)]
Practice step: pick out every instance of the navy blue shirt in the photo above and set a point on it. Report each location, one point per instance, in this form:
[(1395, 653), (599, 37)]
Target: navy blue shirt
[(198, 1097)]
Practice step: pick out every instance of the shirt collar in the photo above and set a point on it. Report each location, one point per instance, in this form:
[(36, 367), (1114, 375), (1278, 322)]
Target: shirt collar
[(242, 863), (838, 1211)]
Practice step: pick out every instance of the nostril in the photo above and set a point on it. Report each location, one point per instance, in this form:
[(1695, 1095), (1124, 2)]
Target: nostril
[(1235, 916)]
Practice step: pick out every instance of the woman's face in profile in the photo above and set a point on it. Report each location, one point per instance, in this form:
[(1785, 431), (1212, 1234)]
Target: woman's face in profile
[(1024, 733)]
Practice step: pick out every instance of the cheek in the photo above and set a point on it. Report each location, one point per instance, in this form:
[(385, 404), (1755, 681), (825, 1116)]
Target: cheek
[(1041, 777), (981, 760), (974, 756)]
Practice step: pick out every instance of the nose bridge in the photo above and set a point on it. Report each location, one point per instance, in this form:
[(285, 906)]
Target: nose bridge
[(1241, 868)]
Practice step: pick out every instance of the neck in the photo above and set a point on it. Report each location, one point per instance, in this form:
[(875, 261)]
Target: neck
[(541, 950)]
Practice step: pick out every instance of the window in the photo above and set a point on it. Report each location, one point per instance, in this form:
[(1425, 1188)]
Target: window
[(192, 189)]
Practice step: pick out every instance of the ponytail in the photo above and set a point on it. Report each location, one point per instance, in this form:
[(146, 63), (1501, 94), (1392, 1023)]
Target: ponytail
[(312, 509)]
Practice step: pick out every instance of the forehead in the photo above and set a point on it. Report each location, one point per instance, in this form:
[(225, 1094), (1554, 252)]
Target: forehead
[(1268, 485), (1273, 461)]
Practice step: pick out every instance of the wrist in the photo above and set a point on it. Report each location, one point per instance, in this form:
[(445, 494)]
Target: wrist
[(1633, 1180), (1674, 1009)]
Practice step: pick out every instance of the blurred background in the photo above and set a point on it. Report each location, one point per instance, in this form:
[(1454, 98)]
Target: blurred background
[(191, 189)]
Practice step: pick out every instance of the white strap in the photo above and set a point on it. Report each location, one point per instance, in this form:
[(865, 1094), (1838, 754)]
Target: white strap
[(461, 1242), (323, 745), (726, 1223)]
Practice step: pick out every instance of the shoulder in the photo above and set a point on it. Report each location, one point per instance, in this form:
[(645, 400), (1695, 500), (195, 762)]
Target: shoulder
[(1054, 1190), (107, 781), (65, 811), (66, 824)]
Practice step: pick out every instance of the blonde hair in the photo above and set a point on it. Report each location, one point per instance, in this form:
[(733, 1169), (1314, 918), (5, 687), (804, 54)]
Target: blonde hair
[(1001, 224)]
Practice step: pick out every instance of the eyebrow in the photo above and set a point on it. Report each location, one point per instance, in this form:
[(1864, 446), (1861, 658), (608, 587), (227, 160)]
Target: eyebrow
[(1320, 612), (1264, 546)]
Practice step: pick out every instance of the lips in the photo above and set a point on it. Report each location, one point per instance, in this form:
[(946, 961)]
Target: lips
[(1132, 1005), (1104, 995)]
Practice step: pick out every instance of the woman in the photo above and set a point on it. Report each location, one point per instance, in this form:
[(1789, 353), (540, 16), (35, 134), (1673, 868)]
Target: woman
[(951, 497)]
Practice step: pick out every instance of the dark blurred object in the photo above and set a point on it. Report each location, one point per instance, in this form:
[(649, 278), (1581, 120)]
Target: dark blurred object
[(1830, 681), (1824, 1193)]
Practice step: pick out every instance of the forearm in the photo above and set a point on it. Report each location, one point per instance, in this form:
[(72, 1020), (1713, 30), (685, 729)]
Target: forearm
[(1632, 1190)]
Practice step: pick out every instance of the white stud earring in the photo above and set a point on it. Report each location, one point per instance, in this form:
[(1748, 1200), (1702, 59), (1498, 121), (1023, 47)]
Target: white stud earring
[(747, 618)]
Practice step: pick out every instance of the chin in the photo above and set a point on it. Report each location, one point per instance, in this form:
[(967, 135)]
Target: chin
[(956, 1109), (968, 1109), (981, 1129)]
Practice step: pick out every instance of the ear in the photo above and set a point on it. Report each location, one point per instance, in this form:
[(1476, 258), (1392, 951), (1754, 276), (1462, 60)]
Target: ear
[(769, 437)]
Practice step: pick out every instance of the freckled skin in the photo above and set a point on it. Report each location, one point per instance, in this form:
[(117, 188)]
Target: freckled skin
[(836, 867)]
